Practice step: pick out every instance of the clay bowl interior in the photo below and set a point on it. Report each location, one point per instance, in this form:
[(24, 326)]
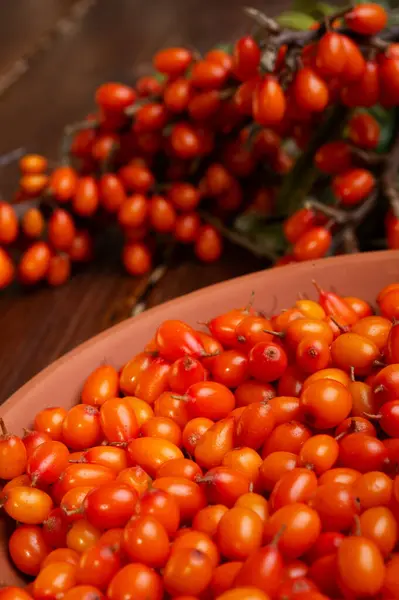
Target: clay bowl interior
[(60, 384)]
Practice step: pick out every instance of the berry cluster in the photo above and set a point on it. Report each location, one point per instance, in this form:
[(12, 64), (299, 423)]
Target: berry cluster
[(256, 461), (215, 136)]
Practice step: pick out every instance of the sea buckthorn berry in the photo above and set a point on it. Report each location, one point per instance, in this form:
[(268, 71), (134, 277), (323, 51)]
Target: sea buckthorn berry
[(274, 466), (313, 244), (239, 533), (333, 158), (207, 75), (353, 351), (297, 485), (246, 58), (360, 565), (50, 420), (364, 131), (269, 102), (208, 244), (254, 425), (288, 437), (353, 186), (302, 528), (8, 223), (362, 452), (34, 263), (215, 443), (366, 19), (32, 223), (325, 403), (267, 361), (320, 453), (28, 505), (331, 56), (298, 224), (101, 385), (188, 571), (115, 97), (63, 183), (311, 92), (61, 229), (312, 354), (355, 64), (172, 61), (13, 455), (336, 505)]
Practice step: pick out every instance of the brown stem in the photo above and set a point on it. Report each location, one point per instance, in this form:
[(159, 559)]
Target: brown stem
[(339, 216), (278, 535), (372, 159), (262, 20), (358, 529), (279, 334), (349, 240), (389, 174), (3, 427), (238, 239)]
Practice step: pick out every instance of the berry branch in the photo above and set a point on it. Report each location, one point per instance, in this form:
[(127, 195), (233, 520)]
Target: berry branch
[(286, 143), (389, 176)]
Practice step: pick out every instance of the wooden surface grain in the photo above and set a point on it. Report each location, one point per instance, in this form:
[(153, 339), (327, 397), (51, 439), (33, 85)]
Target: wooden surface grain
[(69, 54)]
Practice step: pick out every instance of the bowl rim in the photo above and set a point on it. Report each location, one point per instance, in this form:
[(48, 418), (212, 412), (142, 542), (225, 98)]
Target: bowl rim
[(149, 314)]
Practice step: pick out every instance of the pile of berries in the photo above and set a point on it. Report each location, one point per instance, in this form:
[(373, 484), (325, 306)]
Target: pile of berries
[(208, 135), (255, 461)]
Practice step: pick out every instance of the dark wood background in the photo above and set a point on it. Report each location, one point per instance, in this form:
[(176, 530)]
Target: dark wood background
[(54, 53)]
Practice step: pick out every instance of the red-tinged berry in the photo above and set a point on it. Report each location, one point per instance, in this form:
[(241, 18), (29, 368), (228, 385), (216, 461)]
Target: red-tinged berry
[(364, 131), (136, 258), (7, 269), (208, 244), (353, 186), (8, 224), (367, 19), (268, 102), (366, 90), (314, 243), (172, 61), (333, 157), (246, 58), (355, 63), (331, 56), (267, 361), (207, 75), (115, 97), (311, 92), (34, 263), (299, 223), (61, 230)]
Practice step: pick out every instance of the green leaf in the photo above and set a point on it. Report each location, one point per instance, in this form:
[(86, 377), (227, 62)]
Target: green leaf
[(304, 6), (386, 121), (387, 4), (298, 183), (324, 9), (159, 76), (228, 48), (393, 18), (295, 20), (268, 237)]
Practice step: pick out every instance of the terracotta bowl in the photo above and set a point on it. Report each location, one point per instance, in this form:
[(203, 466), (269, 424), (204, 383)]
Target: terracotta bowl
[(358, 275)]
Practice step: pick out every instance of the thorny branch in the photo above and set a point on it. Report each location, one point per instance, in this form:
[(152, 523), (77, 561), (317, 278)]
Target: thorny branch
[(238, 239), (389, 176)]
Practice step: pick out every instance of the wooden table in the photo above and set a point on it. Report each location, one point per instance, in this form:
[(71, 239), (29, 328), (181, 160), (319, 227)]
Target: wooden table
[(54, 54)]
